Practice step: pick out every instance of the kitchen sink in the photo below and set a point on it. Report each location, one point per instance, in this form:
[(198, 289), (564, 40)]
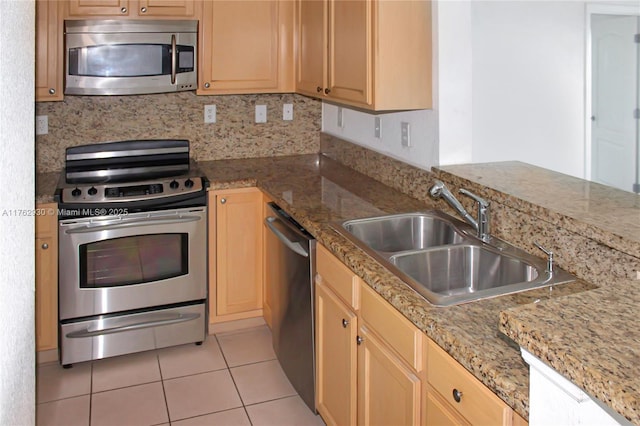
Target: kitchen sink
[(402, 232), (442, 260)]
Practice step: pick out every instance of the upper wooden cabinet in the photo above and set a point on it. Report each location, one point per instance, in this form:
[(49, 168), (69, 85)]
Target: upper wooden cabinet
[(49, 52), (131, 8), (372, 54), (246, 47)]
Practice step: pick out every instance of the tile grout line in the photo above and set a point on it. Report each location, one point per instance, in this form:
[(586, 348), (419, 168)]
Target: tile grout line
[(90, 392), (244, 407), (164, 392)]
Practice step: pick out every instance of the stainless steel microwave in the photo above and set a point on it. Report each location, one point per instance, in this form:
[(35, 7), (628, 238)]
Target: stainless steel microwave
[(128, 57)]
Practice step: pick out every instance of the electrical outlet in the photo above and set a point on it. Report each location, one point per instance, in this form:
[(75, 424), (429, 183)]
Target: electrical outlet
[(287, 112), (405, 132), (42, 124), (377, 127), (209, 113), (340, 117), (261, 113)]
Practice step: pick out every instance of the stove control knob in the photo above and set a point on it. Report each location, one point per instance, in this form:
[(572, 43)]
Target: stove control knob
[(174, 184), (92, 191), (76, 192), (188, 183)]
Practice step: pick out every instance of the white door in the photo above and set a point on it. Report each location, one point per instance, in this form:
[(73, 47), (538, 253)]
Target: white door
[(614, 152)]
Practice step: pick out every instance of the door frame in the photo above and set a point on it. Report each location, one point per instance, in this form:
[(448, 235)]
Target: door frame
[(595, 9)]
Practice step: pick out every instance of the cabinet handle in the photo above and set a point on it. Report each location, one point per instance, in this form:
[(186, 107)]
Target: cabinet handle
[(207, 85), (345, 323), (359, 340), (143, 10), (318, 89), (327, 91), (123, 10), (457, 395), (45, 246), (223, 200), (52, 91)]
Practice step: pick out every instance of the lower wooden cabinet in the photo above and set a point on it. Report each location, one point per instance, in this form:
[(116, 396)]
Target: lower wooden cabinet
[(46, 263), (235, 254), (373, 366), (336, 358), (388, 390), (360, 378)]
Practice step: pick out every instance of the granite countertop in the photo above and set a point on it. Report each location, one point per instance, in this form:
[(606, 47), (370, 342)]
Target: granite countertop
[(590, 329), (317, 191)]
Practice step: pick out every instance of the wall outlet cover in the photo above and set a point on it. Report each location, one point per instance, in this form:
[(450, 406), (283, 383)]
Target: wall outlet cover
[(42, 124), (209, 113), (287, 112), (261, 113), (405, 134)]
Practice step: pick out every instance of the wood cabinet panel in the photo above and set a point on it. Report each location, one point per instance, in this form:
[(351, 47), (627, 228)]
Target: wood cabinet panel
[(237, 268), (49, 51), (388, 390), (46, 271), (438, 412), (132, 8), (392, 326), (246, 47), (338, 277), (375, 54), (477, 403), (310, 54), (336, 358), (349, 64)]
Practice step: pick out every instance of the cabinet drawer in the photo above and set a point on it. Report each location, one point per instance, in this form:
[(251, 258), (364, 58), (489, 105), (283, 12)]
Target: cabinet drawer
[(477, 403), (338, 277), (397, 331)]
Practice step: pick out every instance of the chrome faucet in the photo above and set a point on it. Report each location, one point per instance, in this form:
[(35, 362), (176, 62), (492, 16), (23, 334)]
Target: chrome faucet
[(482, 224)]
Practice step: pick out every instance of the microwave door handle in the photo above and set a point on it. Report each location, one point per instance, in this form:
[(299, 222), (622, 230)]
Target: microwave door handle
[(174, 58)]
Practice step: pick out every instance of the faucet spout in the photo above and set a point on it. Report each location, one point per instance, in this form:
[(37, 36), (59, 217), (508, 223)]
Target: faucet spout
[(439, 190), (482, 224)]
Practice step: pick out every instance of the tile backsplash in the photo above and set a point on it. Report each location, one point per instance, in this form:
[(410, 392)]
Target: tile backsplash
[(80, 120)]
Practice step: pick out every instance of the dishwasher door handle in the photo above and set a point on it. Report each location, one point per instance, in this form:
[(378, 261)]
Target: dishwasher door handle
[(293, 245)]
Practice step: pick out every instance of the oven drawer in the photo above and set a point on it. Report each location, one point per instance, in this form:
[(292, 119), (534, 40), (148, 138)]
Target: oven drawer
[(118, 335)]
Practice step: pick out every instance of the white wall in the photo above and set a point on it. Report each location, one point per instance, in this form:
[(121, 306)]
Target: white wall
[(358, 127), (17, 349), (509, 85), (529, 83)]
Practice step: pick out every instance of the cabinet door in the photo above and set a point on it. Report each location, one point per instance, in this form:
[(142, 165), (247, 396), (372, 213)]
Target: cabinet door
[(336, 359), (349, 60), (311, 34), (168, 8), (388, 391), (239, 46), (49, 51), (238, 266), (92, 8), (46, 269), (438, 412)]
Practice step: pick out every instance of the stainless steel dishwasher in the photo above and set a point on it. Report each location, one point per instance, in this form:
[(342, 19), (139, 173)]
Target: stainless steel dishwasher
[(290, 269)]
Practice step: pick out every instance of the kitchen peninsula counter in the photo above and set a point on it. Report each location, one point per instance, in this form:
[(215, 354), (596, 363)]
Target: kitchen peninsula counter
[(318, 191)]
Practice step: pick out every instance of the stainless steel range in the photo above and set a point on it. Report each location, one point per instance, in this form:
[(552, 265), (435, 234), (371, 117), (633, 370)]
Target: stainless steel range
[(132, 249)]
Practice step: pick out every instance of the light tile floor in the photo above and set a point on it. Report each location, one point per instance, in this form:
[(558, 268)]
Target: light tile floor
[(232, 379)]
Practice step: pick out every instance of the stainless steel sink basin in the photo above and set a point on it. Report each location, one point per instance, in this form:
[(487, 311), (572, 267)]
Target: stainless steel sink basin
[(441, 258), (411, 231)]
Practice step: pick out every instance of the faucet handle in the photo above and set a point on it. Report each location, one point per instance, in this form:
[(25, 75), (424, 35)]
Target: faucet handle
[(549, 254), (481, 201)]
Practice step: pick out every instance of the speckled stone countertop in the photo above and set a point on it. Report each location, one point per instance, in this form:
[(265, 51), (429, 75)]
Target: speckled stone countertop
[(578, 205), (317, 191), (591, 338)]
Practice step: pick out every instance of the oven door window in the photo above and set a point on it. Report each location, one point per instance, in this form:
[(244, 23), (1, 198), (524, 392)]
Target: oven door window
[(133, 260)]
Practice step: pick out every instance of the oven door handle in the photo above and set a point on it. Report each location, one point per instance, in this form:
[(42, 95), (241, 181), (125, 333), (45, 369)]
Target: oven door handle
[(133, 222), (178, 318)]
